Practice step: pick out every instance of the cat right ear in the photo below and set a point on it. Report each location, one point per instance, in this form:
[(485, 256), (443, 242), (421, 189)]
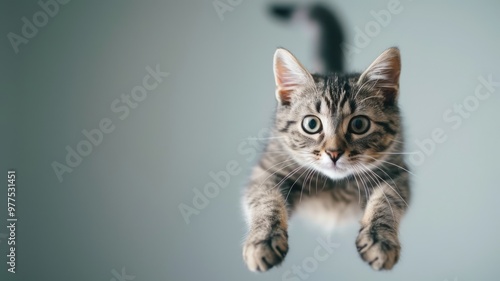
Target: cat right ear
[(289, 75), (384, 74)]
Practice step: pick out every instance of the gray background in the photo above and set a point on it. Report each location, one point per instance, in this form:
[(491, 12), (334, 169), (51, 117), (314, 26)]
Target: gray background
[(120, 207)]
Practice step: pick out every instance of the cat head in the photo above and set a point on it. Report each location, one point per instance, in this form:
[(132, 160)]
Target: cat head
[(338, 124)]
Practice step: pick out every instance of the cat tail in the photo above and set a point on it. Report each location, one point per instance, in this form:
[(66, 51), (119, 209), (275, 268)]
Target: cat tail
[(325, 27)]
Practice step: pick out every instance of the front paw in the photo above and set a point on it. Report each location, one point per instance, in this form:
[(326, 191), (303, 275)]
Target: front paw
[(265, 250), (379, 246)]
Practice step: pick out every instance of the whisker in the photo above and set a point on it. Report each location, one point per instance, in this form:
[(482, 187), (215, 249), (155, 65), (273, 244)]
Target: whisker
[(367, 172), (390, 163), (269, 138), (279, 163), (390, 185), (361, 178), (381, 189), (296, 182), (288, 175), (398, 153), (398, 141), (357, 185), (294, 171), (324, 181), (304, 182), (317, 176), (310, 176)]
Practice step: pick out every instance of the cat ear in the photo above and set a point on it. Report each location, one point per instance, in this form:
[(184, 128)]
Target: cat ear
[(384, 74), (289, 75)]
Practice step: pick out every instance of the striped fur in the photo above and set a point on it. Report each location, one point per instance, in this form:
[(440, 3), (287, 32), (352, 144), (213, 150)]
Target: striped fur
[(335, 171)]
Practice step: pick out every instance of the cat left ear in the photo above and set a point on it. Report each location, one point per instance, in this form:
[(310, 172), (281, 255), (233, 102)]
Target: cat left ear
[(289, 75), (384, 74)]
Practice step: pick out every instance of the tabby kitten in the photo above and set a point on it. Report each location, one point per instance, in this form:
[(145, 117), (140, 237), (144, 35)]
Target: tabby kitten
[(336, 147)]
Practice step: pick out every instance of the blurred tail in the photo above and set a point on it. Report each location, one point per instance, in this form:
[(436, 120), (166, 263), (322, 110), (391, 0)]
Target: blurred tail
[(329, 31)]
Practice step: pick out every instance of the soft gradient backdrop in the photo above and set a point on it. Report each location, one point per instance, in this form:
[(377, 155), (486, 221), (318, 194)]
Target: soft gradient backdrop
[(119, 208)]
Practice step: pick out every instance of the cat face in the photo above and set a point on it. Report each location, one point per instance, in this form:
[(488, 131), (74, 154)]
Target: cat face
[(338, 124)]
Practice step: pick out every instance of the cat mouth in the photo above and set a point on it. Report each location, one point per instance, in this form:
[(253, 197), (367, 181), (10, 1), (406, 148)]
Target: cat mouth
[(337, 167), (335, 171)]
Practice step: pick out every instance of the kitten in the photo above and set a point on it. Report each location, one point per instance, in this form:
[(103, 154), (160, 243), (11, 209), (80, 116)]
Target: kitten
[(337, 144)]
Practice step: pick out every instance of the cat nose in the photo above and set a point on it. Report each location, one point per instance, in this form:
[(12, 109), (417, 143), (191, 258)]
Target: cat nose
[(334, 154)]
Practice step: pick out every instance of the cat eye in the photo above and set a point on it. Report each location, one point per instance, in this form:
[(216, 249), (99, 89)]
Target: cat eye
[(359, 125), (311, 124)]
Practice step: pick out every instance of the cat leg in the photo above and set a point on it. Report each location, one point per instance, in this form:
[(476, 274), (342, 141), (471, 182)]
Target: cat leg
[(267, 241), (377, 241)]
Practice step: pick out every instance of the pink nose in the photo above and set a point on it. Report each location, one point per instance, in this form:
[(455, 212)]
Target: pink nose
[(334, 154)]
